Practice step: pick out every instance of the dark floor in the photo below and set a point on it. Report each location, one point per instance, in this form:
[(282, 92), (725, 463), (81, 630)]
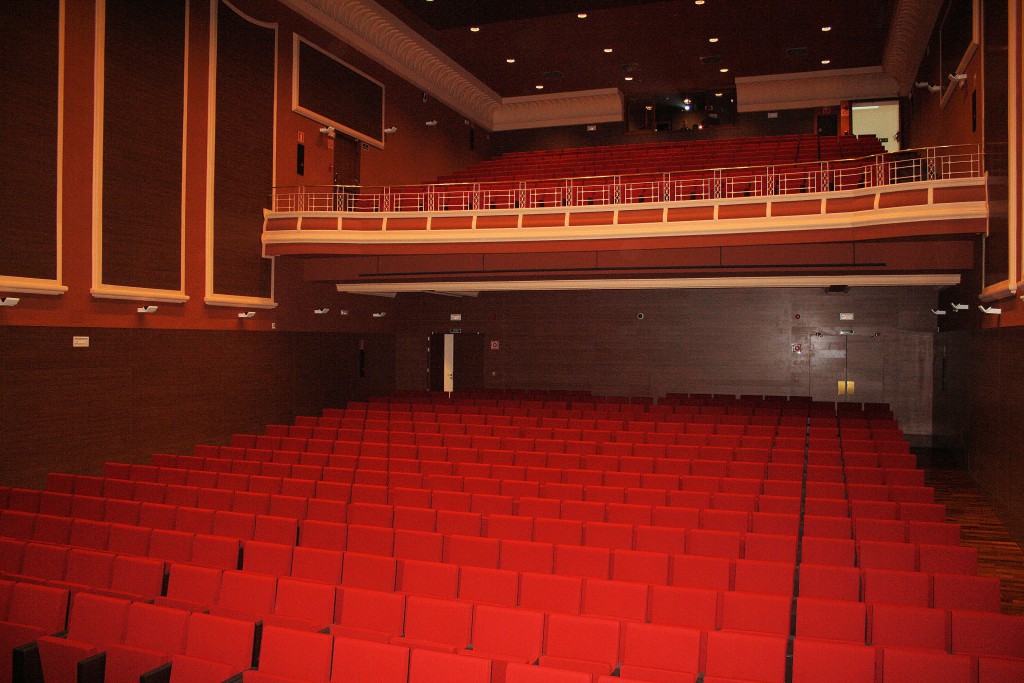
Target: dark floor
[(999, 554)]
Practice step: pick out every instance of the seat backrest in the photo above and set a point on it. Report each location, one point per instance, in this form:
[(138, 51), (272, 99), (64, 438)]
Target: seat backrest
[(164, 629), (220, 639), (364, 660), (578, 637), (442, 621), (507, 630), (97, 619), (44, 607), (302, 655)]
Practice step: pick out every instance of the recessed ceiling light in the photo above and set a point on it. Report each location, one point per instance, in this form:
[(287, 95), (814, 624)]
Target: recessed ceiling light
[(826, 61), (687, 101), (629, 78), (826, 29), (718, 94), (539, 87), (712, 40), (698, 2), (649, 107), (511, 60), (608, 50), (724, 69), (475, 29), (581, 15)]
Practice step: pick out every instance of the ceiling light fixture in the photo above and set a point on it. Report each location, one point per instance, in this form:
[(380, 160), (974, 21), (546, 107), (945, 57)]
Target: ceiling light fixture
[(826, 29), (718, 94), (511, 60), (608, 50), (698, 2), (724, 69), (687, 101), (539, 87), (826, 61), (629, 78), (712, 40), (581, 15), (475, 29)]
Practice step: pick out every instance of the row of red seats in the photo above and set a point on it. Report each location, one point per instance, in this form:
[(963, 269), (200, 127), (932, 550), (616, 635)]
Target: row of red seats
[(579, 419), (609, 470), (550, 440), (727, 414)]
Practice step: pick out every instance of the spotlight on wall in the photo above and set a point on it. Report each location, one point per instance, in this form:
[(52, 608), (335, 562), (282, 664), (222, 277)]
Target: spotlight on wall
[(938, 311), (247, 314), (431, 123), (10, 301), (957, 78), (328, 131), (390, 130), (959, 307), (321, 311), (343, 312), (926, 85), (990, 311), (380, 315), (147, 309)]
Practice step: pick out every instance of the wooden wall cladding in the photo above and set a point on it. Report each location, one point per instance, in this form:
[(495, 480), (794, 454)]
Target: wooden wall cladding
[(135, 392), (143, 124), (243, 152), (979, 375), (333, 91), (726, 341), (29, 78)]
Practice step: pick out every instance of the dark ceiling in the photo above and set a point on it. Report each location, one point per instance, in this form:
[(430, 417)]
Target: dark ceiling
[(659, 44)]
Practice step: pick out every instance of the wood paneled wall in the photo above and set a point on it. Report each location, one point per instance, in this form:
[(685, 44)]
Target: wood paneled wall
[(29, 55), (143, 134), (977, 406), (725, 341), (244, 152), (133, 393), (149, 85)]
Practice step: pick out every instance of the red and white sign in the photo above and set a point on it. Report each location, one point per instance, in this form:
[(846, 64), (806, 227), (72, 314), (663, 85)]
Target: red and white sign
[(302, 137), (495, 345)]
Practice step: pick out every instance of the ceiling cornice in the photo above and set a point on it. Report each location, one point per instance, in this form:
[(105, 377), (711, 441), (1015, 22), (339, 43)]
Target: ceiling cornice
[(813, 88), (909, 33), (387, 40)]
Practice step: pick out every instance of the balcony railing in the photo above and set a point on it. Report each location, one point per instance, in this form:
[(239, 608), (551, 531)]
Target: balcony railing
[(914, 165)]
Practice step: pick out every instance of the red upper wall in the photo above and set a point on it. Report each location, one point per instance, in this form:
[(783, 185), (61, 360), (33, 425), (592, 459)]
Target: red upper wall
[(414, 153)]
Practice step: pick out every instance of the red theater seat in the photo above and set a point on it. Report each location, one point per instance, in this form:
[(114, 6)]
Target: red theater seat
[(216, 649), (913, 666), (660, 653), (429, 666), (581, 643), (154, 634), (506, 635), (289, 655), (831, 619), (368, 615), (361, 660), (93, 623), (902, 626), (815, 661), (444, 625), (745, 656)]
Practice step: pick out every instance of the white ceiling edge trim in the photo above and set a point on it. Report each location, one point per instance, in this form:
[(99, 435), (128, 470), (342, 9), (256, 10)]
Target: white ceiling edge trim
[(813, 88), (561, 109), (387, 40), (921, 280), (909, 33)]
